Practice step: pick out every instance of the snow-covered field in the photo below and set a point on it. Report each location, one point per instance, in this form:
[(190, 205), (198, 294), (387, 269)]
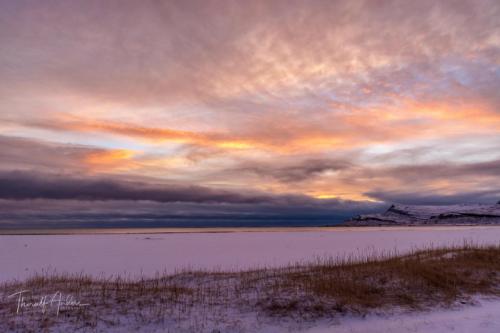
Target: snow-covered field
[(146, 254), (483, 317)]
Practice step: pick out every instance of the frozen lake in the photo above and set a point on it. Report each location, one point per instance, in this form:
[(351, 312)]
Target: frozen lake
[(146, 254)]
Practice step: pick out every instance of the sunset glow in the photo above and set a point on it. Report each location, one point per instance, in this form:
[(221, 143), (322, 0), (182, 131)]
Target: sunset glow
[(324, 104)]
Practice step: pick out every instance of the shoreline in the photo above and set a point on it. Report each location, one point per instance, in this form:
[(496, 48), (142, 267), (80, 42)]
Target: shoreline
[(216, 230)]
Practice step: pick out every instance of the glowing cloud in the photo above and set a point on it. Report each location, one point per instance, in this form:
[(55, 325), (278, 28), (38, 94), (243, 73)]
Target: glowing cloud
[(351, 100)]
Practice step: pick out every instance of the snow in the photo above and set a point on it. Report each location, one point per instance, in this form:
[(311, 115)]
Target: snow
[(483, 317), (453, 214), (147, 254), (480, 318)]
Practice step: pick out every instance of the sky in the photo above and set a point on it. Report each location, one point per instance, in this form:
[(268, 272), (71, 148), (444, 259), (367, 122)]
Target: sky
[(146, 113)]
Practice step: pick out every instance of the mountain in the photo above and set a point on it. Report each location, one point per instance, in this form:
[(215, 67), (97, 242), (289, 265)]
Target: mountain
[(423, 215)]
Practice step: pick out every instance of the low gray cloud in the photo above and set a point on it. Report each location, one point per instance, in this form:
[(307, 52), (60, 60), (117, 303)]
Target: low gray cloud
[(19, 185), (41, 200), (432, 171), (293, 171), (23, 185), (47, 213), (22, 153), (427, 198)]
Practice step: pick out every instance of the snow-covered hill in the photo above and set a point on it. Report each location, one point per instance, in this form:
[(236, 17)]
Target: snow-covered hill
[(454, 214)]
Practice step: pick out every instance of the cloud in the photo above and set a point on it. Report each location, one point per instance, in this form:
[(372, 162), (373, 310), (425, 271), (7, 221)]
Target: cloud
[(293, 172), (28, 154), (423, 198), (256, 56), (22, 185), (445, 170), (285, 100), (43, 213), (34, 200), (22, 153)]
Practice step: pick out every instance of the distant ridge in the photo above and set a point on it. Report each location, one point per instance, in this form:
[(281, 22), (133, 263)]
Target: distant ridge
[(465, 214)]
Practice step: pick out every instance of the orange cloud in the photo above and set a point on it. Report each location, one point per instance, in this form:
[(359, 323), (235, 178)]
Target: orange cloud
[(275, 132), (110, 160)]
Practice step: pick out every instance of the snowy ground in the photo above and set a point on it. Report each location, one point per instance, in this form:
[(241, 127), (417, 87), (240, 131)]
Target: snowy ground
[(136, 254), (483, 317)]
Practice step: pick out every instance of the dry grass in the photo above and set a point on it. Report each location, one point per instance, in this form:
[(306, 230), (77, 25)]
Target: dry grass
[(420, 279), (192, 301)]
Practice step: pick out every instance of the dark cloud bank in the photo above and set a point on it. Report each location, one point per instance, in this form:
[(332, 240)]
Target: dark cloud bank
[(42, 200), (415, 198), (34, 200), (22, 185)]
